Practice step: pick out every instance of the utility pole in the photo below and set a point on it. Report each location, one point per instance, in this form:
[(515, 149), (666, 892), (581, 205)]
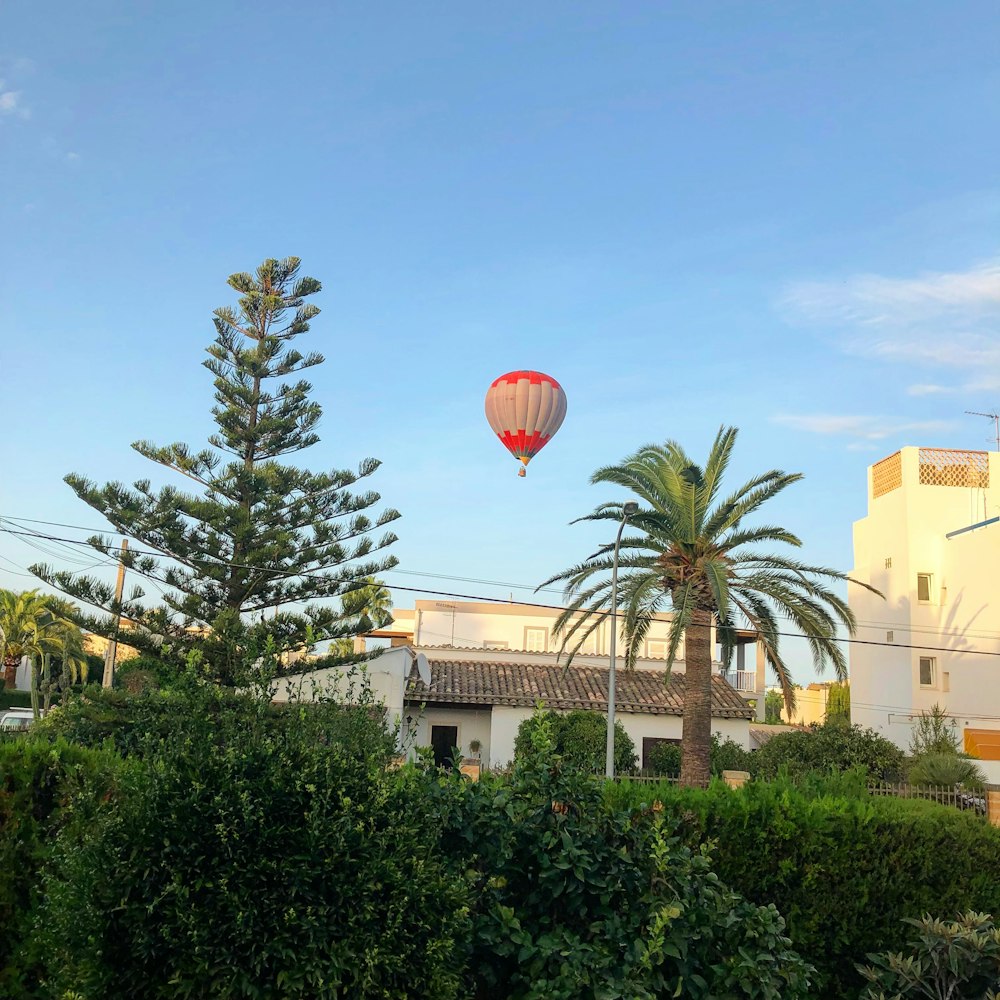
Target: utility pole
[(111, 652), (995, 417)]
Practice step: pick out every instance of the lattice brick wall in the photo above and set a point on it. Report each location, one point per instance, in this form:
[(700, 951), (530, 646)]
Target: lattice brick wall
[(887, 475), (948, 467)]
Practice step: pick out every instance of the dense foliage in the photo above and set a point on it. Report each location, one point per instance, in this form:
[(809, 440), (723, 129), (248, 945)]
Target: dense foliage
[(952, 959), (945, 770), (825, 748), (845, 868), (43, 787), (725, 755), (257, 534), (580, 738), (579, 900), (271, 859), (151, 722)]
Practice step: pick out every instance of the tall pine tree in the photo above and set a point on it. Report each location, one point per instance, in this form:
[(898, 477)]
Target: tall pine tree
[(238, 558)]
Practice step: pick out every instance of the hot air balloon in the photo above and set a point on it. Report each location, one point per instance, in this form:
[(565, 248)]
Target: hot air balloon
[(525, 409)]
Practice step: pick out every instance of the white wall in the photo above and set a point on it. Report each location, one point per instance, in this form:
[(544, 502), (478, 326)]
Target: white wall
[(505, 723), (473, 724), (384, 675)]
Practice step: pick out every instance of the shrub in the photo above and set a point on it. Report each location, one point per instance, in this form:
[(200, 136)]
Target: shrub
[(959, 959), (946, 769), (664, 758), (725, 755), (935, 732), (774, 705), (266, 861), (140, 724), (829, 747), (580, 737), (42, 787), (846, 868), (578, 899)]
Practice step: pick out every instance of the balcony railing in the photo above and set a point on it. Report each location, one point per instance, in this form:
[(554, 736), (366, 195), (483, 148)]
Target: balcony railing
[(742, 680)]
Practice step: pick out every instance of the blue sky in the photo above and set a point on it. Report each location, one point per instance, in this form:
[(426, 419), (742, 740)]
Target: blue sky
[(781, 216)]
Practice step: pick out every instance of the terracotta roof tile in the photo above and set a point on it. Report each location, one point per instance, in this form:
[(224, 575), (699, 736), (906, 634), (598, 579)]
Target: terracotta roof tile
[(522, 684)]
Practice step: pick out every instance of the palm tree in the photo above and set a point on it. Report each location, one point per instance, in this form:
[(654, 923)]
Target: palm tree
[(690, 549), (373, 601), (21, 617)]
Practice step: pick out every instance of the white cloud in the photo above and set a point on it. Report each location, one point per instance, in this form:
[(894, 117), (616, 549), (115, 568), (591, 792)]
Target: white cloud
[(72, 157), (939, 320), (927, 389), (859, 427), (11, 104)]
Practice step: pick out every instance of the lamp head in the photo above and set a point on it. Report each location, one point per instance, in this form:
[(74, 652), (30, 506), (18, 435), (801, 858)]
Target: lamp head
[(630, 508)]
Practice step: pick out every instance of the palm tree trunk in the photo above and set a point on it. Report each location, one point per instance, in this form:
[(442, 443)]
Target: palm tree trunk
[(696, 735), (34, 688), (10, 670)]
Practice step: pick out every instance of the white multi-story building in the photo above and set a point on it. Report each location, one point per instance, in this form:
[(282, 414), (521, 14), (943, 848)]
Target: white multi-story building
[(931, 544)]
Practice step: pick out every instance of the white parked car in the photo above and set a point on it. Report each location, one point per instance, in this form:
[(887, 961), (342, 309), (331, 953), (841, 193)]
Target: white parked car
[(14, 719)]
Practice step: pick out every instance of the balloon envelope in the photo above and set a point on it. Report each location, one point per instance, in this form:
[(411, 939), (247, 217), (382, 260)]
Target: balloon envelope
[(525, 409)]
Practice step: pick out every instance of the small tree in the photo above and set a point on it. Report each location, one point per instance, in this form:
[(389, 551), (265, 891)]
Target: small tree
[(258, 535), (773, 705), (838, 703), (935, 732)]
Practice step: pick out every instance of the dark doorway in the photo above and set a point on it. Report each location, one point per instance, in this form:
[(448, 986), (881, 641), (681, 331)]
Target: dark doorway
[(444, 740)]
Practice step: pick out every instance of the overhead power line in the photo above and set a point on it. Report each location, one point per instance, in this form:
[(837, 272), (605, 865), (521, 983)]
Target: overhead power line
[(424, 575), (502, 600)]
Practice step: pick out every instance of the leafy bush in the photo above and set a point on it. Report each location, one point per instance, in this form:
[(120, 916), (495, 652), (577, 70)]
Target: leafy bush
[(725, 755), (580, 737), (958, 959), (42, 787), (141, 724), (945, 769), (829, 747), (846, 868), (664, 758), (577, 900), (266, 861)]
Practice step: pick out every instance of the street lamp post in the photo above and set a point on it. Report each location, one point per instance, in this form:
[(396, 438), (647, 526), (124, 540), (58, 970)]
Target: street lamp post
[(628, 510)]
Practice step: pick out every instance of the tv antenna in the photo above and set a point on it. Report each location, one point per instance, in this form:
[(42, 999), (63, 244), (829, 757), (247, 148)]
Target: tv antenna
[(995, 417)]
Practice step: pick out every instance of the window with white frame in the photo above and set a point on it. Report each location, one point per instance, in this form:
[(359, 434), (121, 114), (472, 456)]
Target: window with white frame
[(924, 584), (928, 671), (536, 640), (495, 644), (656, 649)]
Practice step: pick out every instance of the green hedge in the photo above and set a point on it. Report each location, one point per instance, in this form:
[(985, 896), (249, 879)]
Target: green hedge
[(278, 864), (43, 787), (844, 869), (830, 747), (11, 698), (143, 723)]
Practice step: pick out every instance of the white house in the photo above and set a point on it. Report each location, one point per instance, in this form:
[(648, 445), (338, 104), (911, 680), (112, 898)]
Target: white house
[(931, 544), (466, 674)]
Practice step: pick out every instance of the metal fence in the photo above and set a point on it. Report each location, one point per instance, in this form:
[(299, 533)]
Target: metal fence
[(969, 799)]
